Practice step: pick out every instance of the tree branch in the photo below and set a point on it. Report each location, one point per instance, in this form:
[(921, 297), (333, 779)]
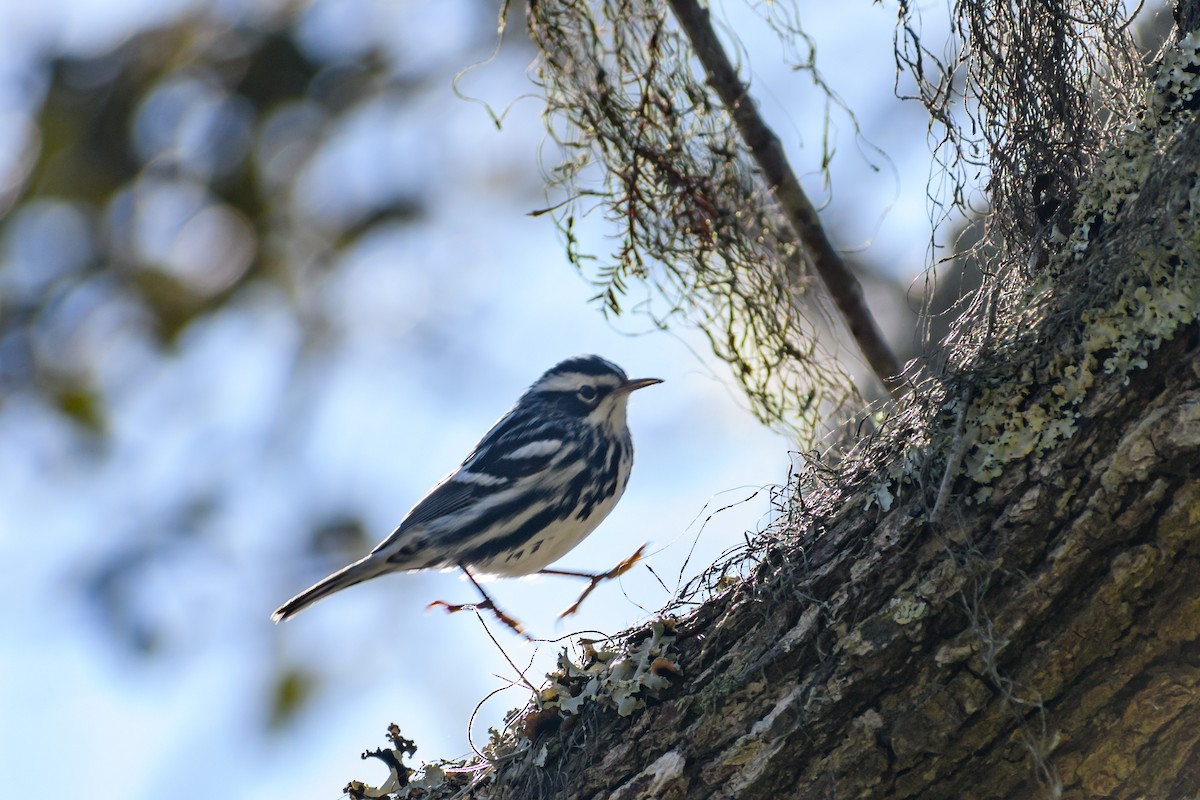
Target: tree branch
[(768, 153)]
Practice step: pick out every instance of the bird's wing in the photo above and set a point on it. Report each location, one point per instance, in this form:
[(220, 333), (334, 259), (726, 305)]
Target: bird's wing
[(511, 451), (446, 498), (515, 453)]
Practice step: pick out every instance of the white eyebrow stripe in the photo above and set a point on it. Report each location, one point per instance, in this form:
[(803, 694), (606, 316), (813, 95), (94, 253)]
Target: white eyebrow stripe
[(542, 447), (571, 381)]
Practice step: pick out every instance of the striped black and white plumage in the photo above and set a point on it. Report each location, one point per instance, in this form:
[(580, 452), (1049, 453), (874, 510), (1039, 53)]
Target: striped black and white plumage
[(538, 482)]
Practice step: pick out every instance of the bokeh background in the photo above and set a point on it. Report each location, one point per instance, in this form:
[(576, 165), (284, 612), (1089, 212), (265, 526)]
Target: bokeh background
[(267, 272)]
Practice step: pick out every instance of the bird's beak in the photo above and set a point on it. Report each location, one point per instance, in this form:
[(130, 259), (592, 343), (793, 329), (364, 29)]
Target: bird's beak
[(637, 383)]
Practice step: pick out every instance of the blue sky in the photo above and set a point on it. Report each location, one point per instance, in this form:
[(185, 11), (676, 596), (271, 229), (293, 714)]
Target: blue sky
[(438, 328)]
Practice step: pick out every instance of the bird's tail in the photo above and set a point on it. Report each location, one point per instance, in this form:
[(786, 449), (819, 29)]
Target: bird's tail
[(359, 571)]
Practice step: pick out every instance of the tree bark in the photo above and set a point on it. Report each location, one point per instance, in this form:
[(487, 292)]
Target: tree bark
[(1043, 642), (1057, 646)]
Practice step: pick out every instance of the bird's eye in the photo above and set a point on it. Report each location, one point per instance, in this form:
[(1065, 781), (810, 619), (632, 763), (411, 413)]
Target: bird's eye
[(587, 393)]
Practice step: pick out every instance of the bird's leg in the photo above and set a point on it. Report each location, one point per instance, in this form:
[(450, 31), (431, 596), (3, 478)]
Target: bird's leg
[(487, 603), (593, 579)]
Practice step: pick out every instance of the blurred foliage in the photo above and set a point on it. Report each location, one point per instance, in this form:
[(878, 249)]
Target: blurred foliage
[(293, 688), (158, 188), (157, 183)]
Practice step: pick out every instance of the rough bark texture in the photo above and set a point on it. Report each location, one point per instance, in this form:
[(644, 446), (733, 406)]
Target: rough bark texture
[(1045, 641), (1056, 643), (1038, 635)]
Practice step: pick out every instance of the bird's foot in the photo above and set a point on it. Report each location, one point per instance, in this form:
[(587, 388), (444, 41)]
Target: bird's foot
[(453, 608), (596, 580)]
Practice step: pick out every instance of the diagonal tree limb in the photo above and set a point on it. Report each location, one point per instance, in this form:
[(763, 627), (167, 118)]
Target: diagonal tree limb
[(768, 154)]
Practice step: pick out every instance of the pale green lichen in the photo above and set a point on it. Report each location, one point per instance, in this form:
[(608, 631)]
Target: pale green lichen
[(1035, 411), (907, 609), (1028, 412)]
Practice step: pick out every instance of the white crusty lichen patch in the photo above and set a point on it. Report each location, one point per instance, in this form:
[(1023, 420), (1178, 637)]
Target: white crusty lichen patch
[(622, 681), (619, 678), (430, 782)]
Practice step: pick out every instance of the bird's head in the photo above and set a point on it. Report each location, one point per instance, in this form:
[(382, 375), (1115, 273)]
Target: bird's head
[(589, 387)]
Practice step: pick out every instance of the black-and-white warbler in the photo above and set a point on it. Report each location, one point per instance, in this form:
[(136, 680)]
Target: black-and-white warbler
[(538, 482)]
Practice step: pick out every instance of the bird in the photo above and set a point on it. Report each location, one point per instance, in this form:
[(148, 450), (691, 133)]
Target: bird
[(537, 483)]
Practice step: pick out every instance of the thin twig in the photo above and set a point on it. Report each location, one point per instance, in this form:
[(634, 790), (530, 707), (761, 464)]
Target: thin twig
[(954, 461), (504, 653)]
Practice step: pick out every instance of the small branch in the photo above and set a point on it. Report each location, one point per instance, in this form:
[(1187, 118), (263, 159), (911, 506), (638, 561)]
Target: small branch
[(954, 460), (768, 153)]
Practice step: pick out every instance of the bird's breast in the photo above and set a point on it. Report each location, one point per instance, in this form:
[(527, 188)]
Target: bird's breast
[(579, 501)]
